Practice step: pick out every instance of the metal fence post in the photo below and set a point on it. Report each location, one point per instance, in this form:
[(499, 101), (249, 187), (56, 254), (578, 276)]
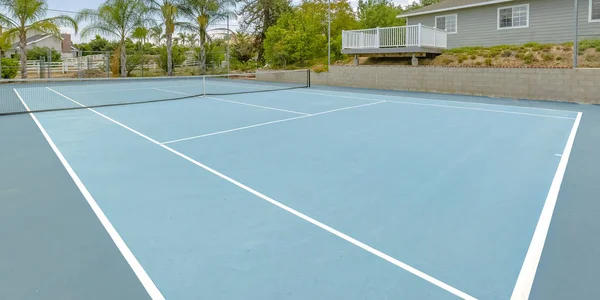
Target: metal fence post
[(576, 38), (49, 63), (107, 63)]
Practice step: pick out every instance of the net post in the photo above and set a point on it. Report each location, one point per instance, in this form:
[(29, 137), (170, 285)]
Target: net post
[(308, 77), (204, 86)]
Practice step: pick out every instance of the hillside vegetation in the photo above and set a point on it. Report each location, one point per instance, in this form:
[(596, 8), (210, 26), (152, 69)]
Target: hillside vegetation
[(511, 56)]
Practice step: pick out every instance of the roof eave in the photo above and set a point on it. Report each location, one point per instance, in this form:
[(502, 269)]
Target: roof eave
[(451, 8)]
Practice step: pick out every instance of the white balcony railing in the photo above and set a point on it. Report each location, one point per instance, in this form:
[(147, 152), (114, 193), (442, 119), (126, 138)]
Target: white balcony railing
[(391, 37)]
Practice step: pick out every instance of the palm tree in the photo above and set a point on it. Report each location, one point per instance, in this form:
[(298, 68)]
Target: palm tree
[(118, 18), (23, 16), (183, 38), (168, 11), (192, 39), (200, 15), (156, 33)]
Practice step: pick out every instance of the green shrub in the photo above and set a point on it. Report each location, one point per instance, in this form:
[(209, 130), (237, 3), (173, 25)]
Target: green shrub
[(36, 52), (559, 58), (473, 57), (589, 43), (10, 68), (488, 61), (547, 46), (547, 57), (514, 48), (507, 53), (495, 53), (567, 48), (478, 63), (463, 57), (567, 44), (178, 56), (528, 58), (520, 55)]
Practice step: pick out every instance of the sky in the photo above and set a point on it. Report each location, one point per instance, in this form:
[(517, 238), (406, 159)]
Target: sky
[(70, 5)]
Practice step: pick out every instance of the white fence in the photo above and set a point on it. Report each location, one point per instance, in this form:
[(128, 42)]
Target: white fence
[(75, 64), (391, 37)]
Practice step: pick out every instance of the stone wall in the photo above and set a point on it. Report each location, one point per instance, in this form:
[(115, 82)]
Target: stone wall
[(580, 85)]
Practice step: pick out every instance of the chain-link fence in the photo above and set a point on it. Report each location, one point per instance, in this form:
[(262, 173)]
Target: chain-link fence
[(105, 64)]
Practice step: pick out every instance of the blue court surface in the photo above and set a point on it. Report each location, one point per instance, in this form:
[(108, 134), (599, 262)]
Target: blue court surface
[(314, 193)]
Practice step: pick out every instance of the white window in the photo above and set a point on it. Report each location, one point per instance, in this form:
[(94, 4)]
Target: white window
[(448, 23), (594, 11), (514, 16)]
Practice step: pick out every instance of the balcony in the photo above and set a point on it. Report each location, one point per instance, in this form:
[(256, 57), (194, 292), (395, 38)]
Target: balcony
[(394, 41)]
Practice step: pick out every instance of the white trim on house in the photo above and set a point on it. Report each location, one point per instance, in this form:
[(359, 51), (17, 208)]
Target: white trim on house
[(590, 19), (513, 7), (452, 8), (446, 22)]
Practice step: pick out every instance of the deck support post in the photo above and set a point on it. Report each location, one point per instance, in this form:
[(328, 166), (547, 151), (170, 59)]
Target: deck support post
[(415, 61)]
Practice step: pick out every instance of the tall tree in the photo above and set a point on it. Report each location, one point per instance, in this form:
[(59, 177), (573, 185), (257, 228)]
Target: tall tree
[(378, 13), (168, 10), (201, 14), (301, 34), (260, 15), (118, 18), (23, 16)]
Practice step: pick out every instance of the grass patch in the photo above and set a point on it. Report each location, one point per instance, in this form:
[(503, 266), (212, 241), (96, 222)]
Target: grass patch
[(473, 57), (531, 45), (488, 61), (447, 61), (507, 53), (464, 50)]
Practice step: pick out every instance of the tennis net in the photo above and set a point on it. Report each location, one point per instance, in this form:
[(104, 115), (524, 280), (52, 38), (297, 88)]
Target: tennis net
[(40, 95)]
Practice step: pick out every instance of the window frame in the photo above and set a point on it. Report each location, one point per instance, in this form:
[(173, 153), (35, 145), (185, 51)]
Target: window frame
[(444, 16), (512, 7), (590, 19)]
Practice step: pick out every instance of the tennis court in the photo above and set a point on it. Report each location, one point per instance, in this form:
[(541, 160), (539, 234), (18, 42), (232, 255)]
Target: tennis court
[(233, 192)]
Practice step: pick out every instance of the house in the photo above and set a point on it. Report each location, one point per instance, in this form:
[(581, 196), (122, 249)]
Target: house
[(37, 39), (498, 22)]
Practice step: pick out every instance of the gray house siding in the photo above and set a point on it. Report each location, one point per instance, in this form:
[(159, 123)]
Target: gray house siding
[(550, 21)]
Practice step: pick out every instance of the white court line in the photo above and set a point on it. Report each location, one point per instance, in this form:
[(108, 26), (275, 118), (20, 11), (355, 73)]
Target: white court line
[(268, 123), (534, 253), (296, 213), (235, 102), (112, 232)]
